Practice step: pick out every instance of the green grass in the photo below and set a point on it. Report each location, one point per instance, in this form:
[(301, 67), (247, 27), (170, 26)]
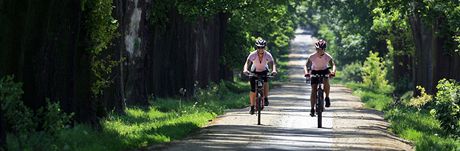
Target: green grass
[(374, 100), (421, 128), (378, 100), (417, 126), (282, 68), (163, 121)]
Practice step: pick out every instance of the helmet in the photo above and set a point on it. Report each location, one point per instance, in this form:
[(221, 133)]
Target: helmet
[(261, 43), (321, 44)]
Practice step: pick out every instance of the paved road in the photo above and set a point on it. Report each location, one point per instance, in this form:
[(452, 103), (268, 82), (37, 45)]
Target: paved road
[(287, 124)]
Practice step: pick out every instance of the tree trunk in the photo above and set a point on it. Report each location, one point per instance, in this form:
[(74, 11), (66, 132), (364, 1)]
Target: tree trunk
[(432, 61), (169, 56), (423, 38), (2, 131)]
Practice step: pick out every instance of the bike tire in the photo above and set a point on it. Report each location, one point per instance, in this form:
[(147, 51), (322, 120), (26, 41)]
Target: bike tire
[(320, 107), (259, 108)]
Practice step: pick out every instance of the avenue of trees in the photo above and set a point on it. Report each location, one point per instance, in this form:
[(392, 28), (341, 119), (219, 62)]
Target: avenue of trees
[(79, 60)]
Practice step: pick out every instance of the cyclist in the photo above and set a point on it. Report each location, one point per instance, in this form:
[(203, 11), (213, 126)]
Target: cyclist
[(317, 63), (259, 60)]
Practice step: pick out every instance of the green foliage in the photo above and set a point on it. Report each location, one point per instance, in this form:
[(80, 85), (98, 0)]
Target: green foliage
[(408, 122), (374, 72), (246, 23), (372, 99), (164, 121), (53, 118), (359, 26), (352, 48), (158, 15), (18, 116), (101, 28), (398, 11), (344, 24), (420, 128), (420, 101), (447, 106), (352, 72), (23, 122), (142, 127), (327, 34), (218, 92), (273, 20)]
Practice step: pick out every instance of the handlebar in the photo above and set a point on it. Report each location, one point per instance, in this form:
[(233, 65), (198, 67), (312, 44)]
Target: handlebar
[(319, 75), (251, 74)]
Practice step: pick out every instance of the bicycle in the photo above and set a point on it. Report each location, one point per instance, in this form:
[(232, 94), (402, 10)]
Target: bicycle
[(320, 97), (259, 93)]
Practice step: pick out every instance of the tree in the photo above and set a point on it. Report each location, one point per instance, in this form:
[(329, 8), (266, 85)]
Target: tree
[(2, 130)]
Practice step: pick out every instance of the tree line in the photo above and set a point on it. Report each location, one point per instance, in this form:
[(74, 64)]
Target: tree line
[(418, 39), (92, 57)]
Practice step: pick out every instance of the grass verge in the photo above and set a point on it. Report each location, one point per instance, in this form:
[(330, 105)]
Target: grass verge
[(418, 126), (163, 121)]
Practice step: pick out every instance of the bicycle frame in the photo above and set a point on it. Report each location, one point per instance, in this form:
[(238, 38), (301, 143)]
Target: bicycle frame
[(259, 95), (259, 81), (320, 97)]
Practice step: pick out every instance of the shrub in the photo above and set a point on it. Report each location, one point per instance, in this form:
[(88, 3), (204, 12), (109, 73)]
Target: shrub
[(420, 101), (374, 73), (54, 119), (447, 106), (353, 72), (17, 115), (22, 121)]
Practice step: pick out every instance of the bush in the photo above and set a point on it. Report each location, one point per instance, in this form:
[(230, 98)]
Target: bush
[(53, 118), (19, 117), (353, 72), (447, 106), (420, 101), (374, 73), (22, 121)]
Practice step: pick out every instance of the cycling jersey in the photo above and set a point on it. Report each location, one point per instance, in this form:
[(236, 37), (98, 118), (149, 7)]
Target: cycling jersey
[(319, 62), (259, 65)]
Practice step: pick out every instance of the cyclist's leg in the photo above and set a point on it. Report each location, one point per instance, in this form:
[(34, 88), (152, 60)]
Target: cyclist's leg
[(314, 88), (252, 98), (266, 90), (327, 87), (252, 94)]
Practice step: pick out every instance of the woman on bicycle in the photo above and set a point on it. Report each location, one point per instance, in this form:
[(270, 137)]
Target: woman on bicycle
[(318, 63), (259, 61)]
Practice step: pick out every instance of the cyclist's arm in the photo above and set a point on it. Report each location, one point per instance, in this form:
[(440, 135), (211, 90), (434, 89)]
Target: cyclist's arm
[(332, 63), (307, 66), (245, 68), (272, 65)]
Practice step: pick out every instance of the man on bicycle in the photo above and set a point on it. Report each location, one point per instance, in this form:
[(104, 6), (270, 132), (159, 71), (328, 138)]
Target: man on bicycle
[(318, 63), (259, 61)]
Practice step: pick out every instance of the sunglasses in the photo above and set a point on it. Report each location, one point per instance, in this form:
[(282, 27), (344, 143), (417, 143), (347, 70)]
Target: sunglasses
[(260, 47)]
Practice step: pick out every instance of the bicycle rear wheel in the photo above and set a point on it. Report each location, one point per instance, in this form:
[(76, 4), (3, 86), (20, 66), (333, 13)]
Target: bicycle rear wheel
[(319, 107)]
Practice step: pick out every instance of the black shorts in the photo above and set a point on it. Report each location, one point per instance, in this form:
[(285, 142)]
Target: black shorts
[(315, 80), (253, 80)]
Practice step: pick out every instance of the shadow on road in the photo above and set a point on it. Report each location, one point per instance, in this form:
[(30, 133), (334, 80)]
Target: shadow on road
[(269, 138)]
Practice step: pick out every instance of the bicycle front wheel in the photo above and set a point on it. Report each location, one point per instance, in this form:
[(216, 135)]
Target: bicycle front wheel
[(320, 107), (259, 108)]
